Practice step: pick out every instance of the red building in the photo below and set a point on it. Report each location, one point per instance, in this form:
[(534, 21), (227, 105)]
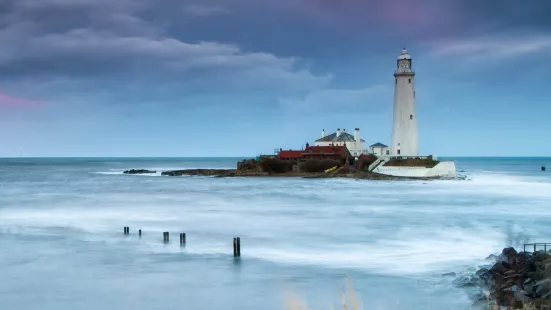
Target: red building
[(315, 152), (289, 154)]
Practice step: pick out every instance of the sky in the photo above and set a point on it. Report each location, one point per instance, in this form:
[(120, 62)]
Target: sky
[(244, 77)]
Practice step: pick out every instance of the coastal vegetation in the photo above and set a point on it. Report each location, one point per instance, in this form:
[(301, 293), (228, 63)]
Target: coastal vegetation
[(364, 161), (349, 301), (427, 162), (314, 165), (270, 165)]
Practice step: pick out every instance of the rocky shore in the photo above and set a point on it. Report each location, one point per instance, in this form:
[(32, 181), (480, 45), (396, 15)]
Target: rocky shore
[(271, 167), (340, 173), (512, 279), (138, 171)]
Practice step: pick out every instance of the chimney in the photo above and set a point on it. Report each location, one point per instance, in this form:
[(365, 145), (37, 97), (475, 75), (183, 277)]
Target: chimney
[(338, 132), (357, 135), (323, 133)]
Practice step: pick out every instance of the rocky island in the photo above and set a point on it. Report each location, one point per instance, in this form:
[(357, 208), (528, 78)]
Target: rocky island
[(274, 167)]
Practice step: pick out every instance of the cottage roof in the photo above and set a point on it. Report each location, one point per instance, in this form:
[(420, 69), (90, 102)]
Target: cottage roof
[(325, 149), (290, 154), (378, 144), (328, 150), (343, 137)]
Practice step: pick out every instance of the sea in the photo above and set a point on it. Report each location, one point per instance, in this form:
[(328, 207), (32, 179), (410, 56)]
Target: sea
[(62, 245)]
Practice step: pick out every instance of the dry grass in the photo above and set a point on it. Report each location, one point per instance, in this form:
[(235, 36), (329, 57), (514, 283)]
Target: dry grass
[(348, 300), (528, 306), (410, 162)]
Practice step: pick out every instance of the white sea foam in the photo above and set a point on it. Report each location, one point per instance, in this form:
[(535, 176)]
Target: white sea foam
[(378, 227)]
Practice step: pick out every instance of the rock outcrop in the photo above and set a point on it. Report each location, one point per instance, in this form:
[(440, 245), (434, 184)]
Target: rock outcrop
[(202, 172), (515, 279), (273, 167), (248, 164), (138, 171)]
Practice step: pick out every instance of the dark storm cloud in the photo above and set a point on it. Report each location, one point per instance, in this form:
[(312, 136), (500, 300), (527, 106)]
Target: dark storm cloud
[(508, 14), (215, 45), (91, 39)]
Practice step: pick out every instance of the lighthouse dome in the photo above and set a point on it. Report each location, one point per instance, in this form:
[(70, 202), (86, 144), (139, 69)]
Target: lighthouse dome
[(404, 55)]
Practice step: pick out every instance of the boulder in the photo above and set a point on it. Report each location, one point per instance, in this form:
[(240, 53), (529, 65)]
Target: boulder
[(482, 272), (543, 287), (508, 255), (492, 258), (479, 299), (541, 256), (465, 281), (499, 267), (449, 274)]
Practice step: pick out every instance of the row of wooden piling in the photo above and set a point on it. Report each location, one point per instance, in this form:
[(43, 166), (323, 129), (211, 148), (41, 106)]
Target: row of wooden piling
[(166, 239)]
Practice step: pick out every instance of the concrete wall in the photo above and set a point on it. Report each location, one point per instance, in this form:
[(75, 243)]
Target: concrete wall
[(442, 169), (404, 126)]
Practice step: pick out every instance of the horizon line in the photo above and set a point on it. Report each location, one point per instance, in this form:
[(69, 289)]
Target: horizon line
[(246, 156)]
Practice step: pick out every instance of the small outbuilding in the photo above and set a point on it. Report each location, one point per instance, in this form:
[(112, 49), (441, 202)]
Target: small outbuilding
[(380, 149)]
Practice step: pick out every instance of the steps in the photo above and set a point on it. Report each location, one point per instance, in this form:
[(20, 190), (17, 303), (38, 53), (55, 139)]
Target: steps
[(377, 163)]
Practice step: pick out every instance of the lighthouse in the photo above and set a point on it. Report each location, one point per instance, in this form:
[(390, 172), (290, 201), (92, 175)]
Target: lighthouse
[(405, 139)]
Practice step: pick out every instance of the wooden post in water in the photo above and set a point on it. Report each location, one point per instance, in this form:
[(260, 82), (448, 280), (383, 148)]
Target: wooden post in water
[(182, 238), (126, 230), (166, 237), (542, 168), (140, 233), (237, 247)]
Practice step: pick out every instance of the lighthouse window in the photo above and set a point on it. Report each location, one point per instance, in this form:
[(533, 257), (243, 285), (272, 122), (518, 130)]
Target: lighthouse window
[(411, 116), (398, 152), (409, 81)]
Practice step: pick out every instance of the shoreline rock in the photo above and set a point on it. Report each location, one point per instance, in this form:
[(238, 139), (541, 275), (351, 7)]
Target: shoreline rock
[(514, 279), (222, 173), (272, 167), (138, 171)]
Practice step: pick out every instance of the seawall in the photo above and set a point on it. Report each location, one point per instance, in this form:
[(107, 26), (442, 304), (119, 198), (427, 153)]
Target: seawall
[(444, 169)]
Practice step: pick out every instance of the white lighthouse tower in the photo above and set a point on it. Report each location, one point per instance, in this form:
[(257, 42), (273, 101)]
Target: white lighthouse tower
[(405, 139)]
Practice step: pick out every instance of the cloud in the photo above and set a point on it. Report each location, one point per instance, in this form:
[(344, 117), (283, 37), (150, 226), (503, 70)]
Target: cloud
[(7, 100), (114, 44), (494, 46), (200, 10), (336, 101)]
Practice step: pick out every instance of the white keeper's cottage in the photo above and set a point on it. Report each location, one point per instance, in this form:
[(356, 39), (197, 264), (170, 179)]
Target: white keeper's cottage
[(353, 143)]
